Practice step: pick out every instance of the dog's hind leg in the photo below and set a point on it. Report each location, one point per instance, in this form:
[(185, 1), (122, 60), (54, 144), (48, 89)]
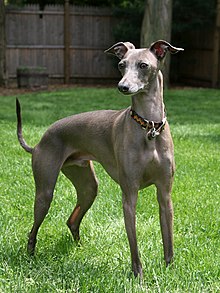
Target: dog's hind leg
[(85, 182), (46, 168)]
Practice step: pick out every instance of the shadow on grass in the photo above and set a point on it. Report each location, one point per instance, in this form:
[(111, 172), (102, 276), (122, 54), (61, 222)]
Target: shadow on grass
[(64, 266)]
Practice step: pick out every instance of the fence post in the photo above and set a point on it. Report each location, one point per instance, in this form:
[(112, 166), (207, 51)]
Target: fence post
[(66, 43), (2, 44), (215, 70)]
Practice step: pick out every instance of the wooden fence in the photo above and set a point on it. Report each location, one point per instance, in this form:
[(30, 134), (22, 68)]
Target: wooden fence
[(41, 38), (36, 38)]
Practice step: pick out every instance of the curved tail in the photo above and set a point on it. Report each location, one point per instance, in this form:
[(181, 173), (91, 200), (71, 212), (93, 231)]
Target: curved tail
[(19, 129)]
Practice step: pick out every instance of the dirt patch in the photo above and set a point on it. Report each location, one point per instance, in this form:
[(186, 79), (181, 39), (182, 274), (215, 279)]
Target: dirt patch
[(13, 91)]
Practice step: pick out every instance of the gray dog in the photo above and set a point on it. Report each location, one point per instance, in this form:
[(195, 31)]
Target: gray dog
[(133, 145)]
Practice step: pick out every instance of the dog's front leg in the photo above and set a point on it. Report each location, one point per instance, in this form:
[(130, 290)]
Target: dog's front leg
[(129, 209), (166, 221)]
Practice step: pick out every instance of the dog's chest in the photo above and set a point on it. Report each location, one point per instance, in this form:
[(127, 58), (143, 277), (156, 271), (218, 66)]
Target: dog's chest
[(152, 159), (151, 163)]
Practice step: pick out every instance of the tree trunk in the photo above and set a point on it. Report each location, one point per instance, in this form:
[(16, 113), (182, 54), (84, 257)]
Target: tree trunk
[(156, 25), (2, 44)]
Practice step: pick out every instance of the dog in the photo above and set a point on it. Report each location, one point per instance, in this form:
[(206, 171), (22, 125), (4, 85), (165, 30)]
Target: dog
[(133, 145)]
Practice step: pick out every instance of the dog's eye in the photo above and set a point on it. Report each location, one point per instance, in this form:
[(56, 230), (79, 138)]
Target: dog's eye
[(121, 66), (143, 65)]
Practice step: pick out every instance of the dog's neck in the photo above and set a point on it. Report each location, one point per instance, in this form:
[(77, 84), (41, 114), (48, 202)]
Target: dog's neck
[(149, 103)]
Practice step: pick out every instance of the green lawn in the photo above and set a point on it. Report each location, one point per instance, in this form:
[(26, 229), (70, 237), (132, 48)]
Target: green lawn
[(102, 264)]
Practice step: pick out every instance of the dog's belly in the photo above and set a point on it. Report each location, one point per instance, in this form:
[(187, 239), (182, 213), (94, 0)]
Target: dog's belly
[(81, 159)]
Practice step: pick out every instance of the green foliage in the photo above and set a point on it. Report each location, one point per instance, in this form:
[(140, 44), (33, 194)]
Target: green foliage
[(102, 263), (191, 15), (128, 26)]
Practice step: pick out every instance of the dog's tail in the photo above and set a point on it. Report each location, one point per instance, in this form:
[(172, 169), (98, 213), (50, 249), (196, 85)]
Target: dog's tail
[(19, 129)]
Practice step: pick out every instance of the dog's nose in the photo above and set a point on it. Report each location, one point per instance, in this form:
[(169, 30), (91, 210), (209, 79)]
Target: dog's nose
[(123, 88)]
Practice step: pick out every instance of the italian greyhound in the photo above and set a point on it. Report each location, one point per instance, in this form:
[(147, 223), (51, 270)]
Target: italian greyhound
[(133, 145)]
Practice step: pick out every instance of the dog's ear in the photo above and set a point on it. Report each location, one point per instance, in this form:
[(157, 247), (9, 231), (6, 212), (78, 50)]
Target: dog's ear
[(160, 48), (120, 49)]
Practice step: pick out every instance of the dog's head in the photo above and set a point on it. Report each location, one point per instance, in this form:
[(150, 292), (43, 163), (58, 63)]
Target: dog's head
[(139, 66)]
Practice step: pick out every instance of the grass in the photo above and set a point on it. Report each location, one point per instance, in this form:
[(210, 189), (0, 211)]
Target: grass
[(102, 264)]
